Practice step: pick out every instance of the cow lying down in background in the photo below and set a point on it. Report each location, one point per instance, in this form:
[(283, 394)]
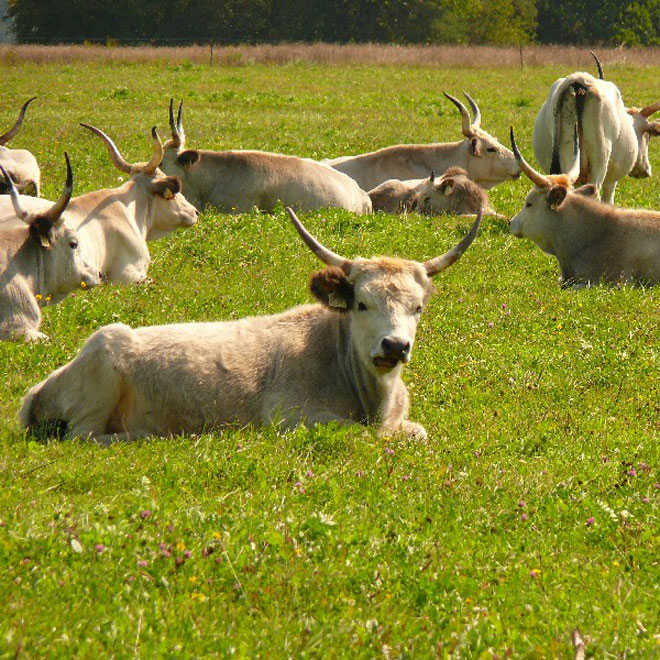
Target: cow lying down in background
[(593, 241), (20, 164), (339, 360), (236, 181), (40, 263), (114, 224), (452, 193)]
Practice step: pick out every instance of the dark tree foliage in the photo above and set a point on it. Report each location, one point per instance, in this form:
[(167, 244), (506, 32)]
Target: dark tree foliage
[(607, 22)]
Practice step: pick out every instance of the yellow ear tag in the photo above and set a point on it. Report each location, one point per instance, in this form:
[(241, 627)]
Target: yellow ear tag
[(168, 194), (44, 241), (335, 300)]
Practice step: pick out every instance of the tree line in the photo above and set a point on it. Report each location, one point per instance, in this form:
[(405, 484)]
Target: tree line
[(500, 22)]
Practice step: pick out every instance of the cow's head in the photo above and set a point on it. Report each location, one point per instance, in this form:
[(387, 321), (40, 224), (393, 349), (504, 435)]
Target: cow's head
[(179, 161), (540, 219), (489, 162), (65, 266), (169, 208), (17, 126), (453, 192), (385, 297), (644, 130)]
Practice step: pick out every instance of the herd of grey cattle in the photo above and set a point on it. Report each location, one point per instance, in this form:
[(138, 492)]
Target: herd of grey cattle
[(340, 360)]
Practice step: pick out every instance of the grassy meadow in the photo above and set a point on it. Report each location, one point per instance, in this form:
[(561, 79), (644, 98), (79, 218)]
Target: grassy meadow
[(532, 509)]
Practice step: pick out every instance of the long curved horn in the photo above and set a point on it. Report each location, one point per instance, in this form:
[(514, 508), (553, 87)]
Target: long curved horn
[(434, 266), (21, 212), (116, 158), (179, 123), (650, 109), (17, 126), (574, 172), (157, 157), (601, 75), (476, 113), (178, 136), (534, 176), (326, 256), (467, 124), (54, 213)]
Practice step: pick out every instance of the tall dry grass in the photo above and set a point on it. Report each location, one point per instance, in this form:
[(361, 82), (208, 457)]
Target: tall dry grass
[(371, 54)]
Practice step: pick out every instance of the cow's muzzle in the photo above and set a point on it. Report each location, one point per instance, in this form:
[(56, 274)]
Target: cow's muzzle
[(392, 351)]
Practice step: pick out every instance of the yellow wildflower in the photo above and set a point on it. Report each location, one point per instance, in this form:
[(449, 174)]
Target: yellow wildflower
[(193, 579)]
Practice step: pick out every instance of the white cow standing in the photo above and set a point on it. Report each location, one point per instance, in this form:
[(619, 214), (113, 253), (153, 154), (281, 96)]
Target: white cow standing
[(486, 161), (115, 224), (20, 164), (237, 181), (40, 263), (340, 360), (614, 140)]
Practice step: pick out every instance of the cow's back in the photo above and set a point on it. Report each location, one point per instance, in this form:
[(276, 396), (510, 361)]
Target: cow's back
[(192, 377), (240, 180)]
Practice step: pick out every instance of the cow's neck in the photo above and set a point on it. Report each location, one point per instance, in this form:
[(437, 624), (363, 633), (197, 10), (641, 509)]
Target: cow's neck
[(37, 273), (580, 231), (371, 390), (143, 202)]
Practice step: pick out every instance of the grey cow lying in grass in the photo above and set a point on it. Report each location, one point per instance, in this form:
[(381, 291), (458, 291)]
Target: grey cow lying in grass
[(40, 262), (452, 193), (236, 181), (340, 360), (593, 241), (486, 160), (114, 224), (20, 164)]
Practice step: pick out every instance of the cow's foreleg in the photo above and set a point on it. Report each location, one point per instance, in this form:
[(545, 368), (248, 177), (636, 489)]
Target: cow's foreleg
[(20, 315), (607, 194)]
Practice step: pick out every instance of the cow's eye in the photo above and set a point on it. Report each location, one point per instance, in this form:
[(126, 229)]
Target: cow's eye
[(528, 205), (73, 244), (362, 307), (427, 200), (492, 150), (418, 310)]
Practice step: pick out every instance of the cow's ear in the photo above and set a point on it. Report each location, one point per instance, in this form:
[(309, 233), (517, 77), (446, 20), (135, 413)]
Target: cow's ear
[(331, 287), (167, 187), (475, 149), (587, 190), (447, 186), (41, 231), (556, 197), (188, 158), (654, 129)]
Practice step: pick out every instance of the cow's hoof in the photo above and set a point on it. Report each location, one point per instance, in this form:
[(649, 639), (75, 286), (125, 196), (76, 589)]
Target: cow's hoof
[(35, 335), (413, 430)]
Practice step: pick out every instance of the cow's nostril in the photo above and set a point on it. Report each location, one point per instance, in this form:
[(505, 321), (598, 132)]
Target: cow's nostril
[(395, 347)]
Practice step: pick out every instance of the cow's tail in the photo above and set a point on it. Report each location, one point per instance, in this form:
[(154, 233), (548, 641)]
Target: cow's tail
[(568, 112)]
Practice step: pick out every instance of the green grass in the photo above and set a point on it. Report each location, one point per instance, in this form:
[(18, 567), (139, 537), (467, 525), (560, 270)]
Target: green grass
[(542, 407)]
